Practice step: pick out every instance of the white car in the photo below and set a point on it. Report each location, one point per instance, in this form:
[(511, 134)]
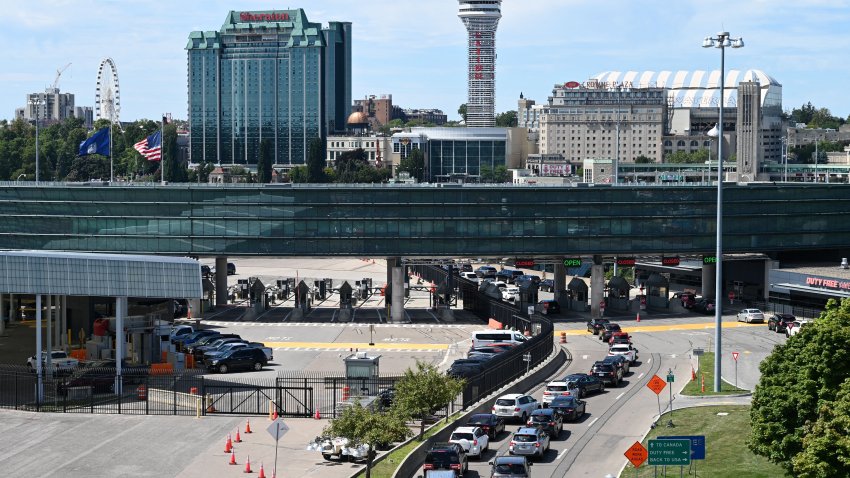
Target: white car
[(473, 440), (59, 360), (510, 292), (515, 405), (554, 389), (470, 276), (626, 350), (750, 316), (794, 327)]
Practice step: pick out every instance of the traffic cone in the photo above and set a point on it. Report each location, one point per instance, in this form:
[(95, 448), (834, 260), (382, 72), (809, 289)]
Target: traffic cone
[(238, 438), (638, 317), (693, 374), (248, 465), (262, 471), (274, 415), (228, 445), (232, 458), (248, 426), (317, 415)]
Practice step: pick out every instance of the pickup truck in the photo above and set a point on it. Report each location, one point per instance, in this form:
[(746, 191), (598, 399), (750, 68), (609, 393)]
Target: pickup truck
[(59, 361), (626, 350)]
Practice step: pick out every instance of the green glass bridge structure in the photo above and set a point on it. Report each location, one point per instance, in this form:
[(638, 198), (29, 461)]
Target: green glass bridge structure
[(426, 220)]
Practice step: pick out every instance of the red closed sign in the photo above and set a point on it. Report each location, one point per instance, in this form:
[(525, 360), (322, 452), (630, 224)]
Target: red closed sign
[(670, 261)]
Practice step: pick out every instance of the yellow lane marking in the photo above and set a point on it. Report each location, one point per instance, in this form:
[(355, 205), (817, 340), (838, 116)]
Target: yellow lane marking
[(667, 328), (354, 345)]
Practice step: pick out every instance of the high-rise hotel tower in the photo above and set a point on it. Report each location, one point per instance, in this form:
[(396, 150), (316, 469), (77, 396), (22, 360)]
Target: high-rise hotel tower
[(481, 17)]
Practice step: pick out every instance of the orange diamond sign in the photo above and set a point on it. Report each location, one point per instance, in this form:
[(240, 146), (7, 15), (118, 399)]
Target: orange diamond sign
[(656, 384), (637, 454)]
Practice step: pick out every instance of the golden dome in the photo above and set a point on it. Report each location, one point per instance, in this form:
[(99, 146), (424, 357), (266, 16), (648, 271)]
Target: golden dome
[(357, 117)]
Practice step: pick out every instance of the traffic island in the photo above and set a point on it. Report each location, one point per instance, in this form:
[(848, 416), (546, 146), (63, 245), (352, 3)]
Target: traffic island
[(702, 384)]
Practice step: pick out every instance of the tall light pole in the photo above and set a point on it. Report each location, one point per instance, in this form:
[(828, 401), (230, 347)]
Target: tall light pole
[(721, 41), (785, 157), (36, 102)]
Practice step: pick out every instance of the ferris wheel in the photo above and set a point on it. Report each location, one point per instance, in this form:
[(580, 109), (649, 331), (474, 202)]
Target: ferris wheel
[(107, 97)]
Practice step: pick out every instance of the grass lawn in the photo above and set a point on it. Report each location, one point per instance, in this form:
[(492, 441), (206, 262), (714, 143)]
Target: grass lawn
[(726, 452), (706, 364), (388, 465)]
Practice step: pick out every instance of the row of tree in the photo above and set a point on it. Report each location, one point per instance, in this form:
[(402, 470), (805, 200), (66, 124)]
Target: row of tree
[(814, 117)]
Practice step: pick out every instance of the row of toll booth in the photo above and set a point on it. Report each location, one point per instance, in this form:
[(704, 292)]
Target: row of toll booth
[(617, 295)]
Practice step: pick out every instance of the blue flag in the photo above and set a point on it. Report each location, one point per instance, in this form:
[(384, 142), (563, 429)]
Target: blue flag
[(97, 144)]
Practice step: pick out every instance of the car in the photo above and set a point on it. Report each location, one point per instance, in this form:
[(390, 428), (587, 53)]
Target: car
[(99, 375), (446, 456), (474, 440), (481, 338), (580, 384), (688, 299), (525, 278), (178, 331), (486, 350), (570, 408), (486, 271), (231, 269), (547, 285), (470, 276), (625, 350), (795, 327), (60, 362), (515, 405), (529, 441), (553, 389), (595, 326), (547, 420), (508, 275), (507, 466), (248, 358), (608, 373), (490, 423), (780, 322), (549, 307), (183, 342), (213, 346), (608, 330), (465, 267), (465, 369), (386, 397), (205, 270), (206, 340), (620, 338), (509, 292), (620, 361), (706, 306), (751, 315)]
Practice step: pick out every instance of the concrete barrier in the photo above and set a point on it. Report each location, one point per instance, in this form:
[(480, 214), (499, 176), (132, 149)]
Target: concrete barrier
[(179, 399)]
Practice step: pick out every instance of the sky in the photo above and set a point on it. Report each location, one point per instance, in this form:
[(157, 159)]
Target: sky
[(415, 50)]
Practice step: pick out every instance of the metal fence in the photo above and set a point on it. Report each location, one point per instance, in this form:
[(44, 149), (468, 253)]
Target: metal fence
[(779, 308)]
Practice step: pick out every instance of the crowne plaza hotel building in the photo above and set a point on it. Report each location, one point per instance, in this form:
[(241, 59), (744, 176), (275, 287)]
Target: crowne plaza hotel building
[(266, 75)]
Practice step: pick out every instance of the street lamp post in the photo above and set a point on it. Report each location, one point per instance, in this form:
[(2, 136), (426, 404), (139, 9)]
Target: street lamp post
[(785, 158), (36, 102), (721, 41)]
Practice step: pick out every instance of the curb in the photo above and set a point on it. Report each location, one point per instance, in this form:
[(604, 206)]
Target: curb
[(704, 397)]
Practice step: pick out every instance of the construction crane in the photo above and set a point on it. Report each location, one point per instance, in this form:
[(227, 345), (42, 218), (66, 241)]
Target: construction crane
[(58, 74)]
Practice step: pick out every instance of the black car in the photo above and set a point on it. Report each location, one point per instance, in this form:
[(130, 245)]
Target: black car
[(184, 341), (205, 271), (465, 267), (706, 306), (486, 350), (463, 369), (212, 346), (231, 269), (248, 358), (607, 373), (508, 275), (583, 384), (490, 423), (446, 456), (549, 307), (780, 322), (594, 326), (528, 278), (547, 420), (568, 407), (620, 361), (386, 397), (607, 330), (547, 285), (100, 376)]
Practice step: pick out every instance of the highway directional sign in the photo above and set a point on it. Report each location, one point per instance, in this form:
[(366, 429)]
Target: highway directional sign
[(697, 444), (670, 452), (636, 454)]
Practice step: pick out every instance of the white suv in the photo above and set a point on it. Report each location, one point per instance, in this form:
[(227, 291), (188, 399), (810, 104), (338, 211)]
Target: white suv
[(794, 327), (554, 389), (515, 405), (626, 350), (473, 440)]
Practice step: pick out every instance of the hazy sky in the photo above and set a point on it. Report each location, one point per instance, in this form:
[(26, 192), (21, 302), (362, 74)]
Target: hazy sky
[(415, 50)]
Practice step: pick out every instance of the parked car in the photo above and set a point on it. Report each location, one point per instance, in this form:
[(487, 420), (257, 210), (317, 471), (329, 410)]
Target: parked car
[(619, 361), (706, 306), (474, 440), (751, 315), (60, 362), (207, 340), (547, 420), (625, 350), (510, 467), (446, 456), (178, 331), (490, 423), (486, 271), (529, 441), (607, 373), (213, 346), (580, 384), (780, 322), (547, 285), (231, 269), (183, 342), (595, 326), (608, 330), (241, 359), (515, 405), (548, 307), (795, 327), (570, 408)]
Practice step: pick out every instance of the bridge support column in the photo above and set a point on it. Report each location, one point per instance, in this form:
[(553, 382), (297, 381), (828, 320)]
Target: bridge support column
[(221, 281), (560, 282), (2, 315), (49, 335), (13, 308), (395, 276), (597, 286), (709, 272)]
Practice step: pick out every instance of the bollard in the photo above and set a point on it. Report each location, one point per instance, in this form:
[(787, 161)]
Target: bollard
[(563, 337)]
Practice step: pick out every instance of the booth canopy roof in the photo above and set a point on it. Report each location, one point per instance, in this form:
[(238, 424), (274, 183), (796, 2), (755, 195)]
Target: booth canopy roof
[(619, 283), (100, 275)]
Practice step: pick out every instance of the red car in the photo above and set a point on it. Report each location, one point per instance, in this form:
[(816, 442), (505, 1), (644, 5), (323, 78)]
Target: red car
[(620, 338)]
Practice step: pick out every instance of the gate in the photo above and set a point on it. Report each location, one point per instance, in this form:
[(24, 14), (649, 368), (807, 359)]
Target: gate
[(258, 399)]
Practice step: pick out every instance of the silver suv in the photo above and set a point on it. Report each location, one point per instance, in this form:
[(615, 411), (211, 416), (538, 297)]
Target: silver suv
[(510, 467), (529, 441)]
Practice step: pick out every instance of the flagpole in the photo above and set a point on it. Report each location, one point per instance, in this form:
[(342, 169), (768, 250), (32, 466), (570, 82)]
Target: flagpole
[(111, 168), (162, 148)]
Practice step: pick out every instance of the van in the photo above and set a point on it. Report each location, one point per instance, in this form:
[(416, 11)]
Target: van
[(486, 337)]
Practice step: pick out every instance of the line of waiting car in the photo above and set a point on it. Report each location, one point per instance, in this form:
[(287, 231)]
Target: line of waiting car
[(219, 352), (541, 421)]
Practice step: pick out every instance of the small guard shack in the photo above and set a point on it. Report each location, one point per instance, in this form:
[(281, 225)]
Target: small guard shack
[(618, 294), (361, 373), (657, 291), (577, 295)]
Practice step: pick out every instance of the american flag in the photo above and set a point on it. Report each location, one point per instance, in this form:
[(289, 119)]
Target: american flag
[(150, 147)]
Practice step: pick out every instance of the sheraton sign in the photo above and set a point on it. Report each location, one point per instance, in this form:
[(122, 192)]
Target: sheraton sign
[(263, 17)]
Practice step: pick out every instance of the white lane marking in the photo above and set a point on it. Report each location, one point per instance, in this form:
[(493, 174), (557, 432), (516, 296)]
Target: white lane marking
[(649, 361), (641, 375), (592, 422), (620, 395), (562, 453)]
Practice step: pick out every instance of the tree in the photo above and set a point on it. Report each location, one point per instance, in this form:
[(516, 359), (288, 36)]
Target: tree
[(826, 444), (799, 379), (264, 162), (507, 119), (462, 111), (422, 392), (175, 170), (316, 161), (298, 174), (363, 426), (643, 160), (413, 164), (349, 163)]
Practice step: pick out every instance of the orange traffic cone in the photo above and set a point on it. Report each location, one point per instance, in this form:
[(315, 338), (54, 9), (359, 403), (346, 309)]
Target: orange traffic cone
[(248, 465), (693, 374), (317, 415), (248, 426), (228, 445), (262, 471), (238, 438), (638, 317), (274, 415), (232, 458)]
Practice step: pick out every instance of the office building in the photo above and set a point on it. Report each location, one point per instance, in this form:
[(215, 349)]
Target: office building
[(48, 107), (378, 108), (266, 75), (481, 17)]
